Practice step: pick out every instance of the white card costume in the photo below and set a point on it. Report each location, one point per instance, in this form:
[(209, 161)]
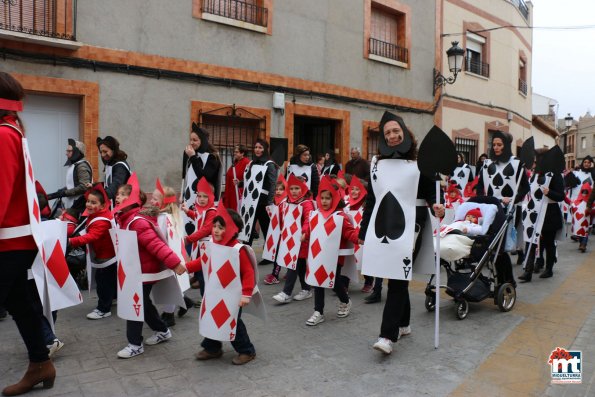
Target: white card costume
[(305, 171), (271, 242), (130, 282), (461, 176), (355, 259), (189, 186), (253, 180), (200, 220), (91, 264), (535, 207), (321, 268), (291, 234), (175, 241), (500, 179), (582, 177), (580, 220), (389, 242)]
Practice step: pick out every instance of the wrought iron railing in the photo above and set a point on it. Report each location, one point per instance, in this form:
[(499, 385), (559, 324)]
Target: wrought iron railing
[(48, 18), (388, 50), (468, 147), (523, 86), (238, 10), (522, 6), (477, 67)]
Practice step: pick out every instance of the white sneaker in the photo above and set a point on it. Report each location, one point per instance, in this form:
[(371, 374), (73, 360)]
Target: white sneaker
[(404, 331), (303, 295), (344, 309), (97, 315), (384, 345), (131, 351), (158, 337), (55, 346), (316, 319), (282, 297)]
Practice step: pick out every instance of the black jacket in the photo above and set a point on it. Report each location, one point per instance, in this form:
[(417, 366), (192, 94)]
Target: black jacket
[(553, 214), (210, 171), (315, 177), (120, 175)]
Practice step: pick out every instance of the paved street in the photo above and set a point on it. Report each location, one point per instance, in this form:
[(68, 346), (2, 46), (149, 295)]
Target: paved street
[(490, 353)]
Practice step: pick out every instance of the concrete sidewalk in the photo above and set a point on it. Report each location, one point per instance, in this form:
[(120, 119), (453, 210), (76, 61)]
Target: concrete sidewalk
[(490, 353)]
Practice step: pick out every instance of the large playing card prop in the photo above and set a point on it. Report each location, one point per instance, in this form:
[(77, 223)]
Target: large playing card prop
[(534, 209), (305, 171), (291, 234), (358, 252), (253, 180), (271, 243), (175, 242), (130, 283), (321, 269), (460, 176), (388, 247), (189, 191), (500, 178), (580, 220)]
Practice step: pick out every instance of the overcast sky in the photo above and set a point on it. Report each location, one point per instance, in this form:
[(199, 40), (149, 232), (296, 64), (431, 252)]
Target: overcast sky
[(564, 60)]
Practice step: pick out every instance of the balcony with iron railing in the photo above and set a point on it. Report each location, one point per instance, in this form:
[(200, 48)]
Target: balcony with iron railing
[(522, 6), (477, 67), (523, 86), (388, 51), (44, 19), (237, 10)]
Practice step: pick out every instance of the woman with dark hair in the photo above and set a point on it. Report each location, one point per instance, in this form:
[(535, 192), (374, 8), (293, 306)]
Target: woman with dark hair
[(233, 177), (462, 174), (259, 182), (79, 175), (330, 165), (482, 157), (200, 160), (395, 213), (117, 171), (18, 247), (301, 165)]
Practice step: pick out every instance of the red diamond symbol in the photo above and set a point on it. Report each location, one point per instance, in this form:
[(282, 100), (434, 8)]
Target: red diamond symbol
[(284, 235), (226, 274), (232, 324), (331, 275), (320, 275), (121, 275), (358, 217), (313, 222), (220, 313), (36, 210), (290, 244), (57, 265), (30, 170), (296, 213), (270, 243), (330, 225), (316, 248), (287, 259), (204, 258), (293, 228), (275, 221), (136, 298)]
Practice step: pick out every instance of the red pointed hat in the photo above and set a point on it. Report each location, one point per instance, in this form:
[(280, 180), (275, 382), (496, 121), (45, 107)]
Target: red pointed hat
[(282, 197), (470, 186), (204, 187), (356, 182), (586, 188), (231, 229), (341, 174), (134, 197), (330, 185), (166, 200), (98, 187), (295, 181), (453, 188)]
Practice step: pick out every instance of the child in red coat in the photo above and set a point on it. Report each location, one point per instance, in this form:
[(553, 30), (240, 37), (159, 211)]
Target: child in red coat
[(280, 198), (101, 249), (154, 254)]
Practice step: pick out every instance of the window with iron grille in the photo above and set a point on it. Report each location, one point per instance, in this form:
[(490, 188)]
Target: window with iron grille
[(475, 61), (237, 127), (469, 149), (47, 18), (388, 34), (373, 137), (250, 11), (522, 77)]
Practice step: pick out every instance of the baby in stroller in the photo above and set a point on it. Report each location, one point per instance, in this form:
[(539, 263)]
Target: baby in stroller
[(471, 219)]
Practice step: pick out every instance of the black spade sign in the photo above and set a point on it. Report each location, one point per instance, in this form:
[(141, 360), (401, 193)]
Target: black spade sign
[(531, 204), (533, 217), (437, 154), (507, 191), (492, 169), (390, 219), (498, 181), (508, 171), (258, 177), (187, 194), (538, 194), (530, 231), (524, 215), (461, 174)]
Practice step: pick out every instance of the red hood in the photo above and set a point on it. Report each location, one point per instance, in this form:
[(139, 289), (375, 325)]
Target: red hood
[(165, 200), (355, 182), (294, 181), (231, 230), (330, 185), (204, 187), (134, 197)]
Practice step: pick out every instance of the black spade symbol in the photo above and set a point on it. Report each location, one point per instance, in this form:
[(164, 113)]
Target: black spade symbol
[(490, 191), (251, 211), (461, 174), (530, 231), (531, 204), (248, 173), (390, 219), (524, 215), (538, 194), (507, 191), (187, 194), (247, 230), (533, 217), (242, 210), (255, 195), (245, 194), (508, 171), (194, 185), (251, 186), (246, 219), (374, 177), (497, 181), (258, 177), (406, 261), (492, 169), (305, 176), (541, 179)]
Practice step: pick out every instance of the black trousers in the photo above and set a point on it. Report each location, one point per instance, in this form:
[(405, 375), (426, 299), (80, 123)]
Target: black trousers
[(106, 279), (262, 217), (241, 343), (292, 275), (340, 289), (397, 309), (548, 244), (134, 329), (17, 296)]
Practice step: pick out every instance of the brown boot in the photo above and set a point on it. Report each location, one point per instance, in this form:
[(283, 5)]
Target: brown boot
[(582, 247), (242, 359), (205, 355), (36, 373)]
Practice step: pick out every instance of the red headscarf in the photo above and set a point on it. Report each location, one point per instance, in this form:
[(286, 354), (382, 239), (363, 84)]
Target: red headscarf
[(204, 187), (330, 185), (294, 181), (280, 198), (231, 228), (166, 200), (355, 182), (134, 197), (583, 194)]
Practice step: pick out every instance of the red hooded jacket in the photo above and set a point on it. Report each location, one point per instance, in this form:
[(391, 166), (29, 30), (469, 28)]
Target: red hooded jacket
[(97, 236)]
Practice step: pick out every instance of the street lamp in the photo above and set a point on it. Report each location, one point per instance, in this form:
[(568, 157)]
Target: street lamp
[(455, 56), (567, 123)]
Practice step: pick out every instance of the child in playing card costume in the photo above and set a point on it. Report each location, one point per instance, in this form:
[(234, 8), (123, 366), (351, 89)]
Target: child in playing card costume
[(293, 247), (395, 212), (453, 197), (581, 216), (170, 223), (331, 235), (280, 198), (226, 249), (100, 247), (154, 254)]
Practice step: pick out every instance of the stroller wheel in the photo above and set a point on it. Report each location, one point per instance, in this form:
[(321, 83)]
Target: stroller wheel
[(430, 303), (506, 297), (462, 309)]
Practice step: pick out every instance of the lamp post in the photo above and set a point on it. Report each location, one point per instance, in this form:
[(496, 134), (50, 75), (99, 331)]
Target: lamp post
[(567, 123), (455, 56)]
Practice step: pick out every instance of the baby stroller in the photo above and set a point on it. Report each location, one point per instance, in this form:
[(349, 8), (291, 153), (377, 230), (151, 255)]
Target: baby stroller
[(465, 280)]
